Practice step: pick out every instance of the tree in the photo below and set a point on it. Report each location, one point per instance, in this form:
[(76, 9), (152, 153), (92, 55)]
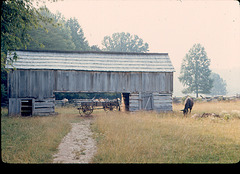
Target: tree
[(17, 17), (77, 35), (95, 48), (124, 42), (219, 85), (55, 36), (195, 72)]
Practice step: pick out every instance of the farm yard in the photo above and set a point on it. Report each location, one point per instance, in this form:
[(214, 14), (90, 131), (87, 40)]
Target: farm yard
[(130, 137), (62, 88)]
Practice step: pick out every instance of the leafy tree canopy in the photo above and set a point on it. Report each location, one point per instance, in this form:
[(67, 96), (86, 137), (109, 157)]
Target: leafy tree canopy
[(17, 17), (51, 37), (195, 72), (63, 35), (77, 34), (219, 85), (124, 42)]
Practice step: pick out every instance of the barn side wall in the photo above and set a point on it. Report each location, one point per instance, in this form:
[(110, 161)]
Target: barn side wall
[(37, 84), (84, 81), (40, 85)]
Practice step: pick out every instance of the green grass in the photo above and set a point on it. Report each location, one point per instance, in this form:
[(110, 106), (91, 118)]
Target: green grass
[(34, 139)]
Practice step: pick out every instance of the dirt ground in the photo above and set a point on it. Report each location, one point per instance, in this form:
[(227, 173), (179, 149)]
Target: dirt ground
[(77, 146)]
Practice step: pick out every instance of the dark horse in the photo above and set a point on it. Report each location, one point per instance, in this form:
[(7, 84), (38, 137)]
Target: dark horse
[(188, 105)]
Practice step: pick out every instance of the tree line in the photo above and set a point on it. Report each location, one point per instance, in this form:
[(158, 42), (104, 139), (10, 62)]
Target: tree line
[(25, 27), (67, 34)]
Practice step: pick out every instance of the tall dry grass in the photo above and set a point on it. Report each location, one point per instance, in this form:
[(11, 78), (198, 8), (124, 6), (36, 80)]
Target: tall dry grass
[(139, 137), (34, 139), (149, 137)]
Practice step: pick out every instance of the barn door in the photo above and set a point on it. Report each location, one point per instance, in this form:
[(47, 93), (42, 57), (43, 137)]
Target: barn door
[(147, 101)]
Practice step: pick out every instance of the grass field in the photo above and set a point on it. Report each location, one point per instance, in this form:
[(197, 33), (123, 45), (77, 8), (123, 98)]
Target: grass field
[(148, 137), (34, 139), (139, 137)]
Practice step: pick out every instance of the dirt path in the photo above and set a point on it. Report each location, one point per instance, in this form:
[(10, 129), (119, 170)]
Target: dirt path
[(77, 146)]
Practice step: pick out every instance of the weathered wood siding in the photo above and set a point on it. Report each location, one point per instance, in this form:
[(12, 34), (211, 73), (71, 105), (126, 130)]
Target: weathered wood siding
[(31, 84), (150, 101), (43, 107), (41, 84), (144, 79), (162, 102), (39, 107), (147, 91), (14, 106)]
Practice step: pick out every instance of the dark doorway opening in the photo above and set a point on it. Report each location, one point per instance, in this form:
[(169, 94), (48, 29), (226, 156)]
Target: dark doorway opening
[(26, 107), (125, 102)]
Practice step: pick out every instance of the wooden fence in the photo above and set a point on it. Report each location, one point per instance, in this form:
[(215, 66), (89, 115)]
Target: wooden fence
[(208, 99)]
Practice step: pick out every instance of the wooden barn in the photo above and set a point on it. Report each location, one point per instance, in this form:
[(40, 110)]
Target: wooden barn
[(145, 80)]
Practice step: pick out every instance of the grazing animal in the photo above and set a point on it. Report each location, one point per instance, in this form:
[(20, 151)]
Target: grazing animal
[(188, 105)]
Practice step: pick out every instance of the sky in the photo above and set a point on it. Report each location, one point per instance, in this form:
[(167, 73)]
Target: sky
[(168, 27)]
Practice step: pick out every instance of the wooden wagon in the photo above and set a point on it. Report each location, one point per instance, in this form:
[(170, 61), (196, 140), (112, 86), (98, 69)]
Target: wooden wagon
[(86, 106)]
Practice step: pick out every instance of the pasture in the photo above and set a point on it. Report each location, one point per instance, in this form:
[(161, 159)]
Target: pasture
[(135, 137)]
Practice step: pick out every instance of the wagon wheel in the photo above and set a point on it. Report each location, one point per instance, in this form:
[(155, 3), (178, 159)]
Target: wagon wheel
[(80, 111), (85, 110), (107, 107)]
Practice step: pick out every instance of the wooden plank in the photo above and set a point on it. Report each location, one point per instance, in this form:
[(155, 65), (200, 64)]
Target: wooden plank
[(37, 110), (161, 98), (171, 83), (133, 98), (44, 105), (162, 94), (14, 106), (51, 84), (133, 95), (45, 100), (161, 103), (163, 106), (133, 109), (133, 103)]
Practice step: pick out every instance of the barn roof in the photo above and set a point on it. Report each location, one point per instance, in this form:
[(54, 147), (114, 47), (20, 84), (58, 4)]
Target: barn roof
[(94, 61)]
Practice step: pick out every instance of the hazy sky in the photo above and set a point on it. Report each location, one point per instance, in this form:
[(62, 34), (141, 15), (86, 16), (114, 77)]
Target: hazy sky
[(167, 26)]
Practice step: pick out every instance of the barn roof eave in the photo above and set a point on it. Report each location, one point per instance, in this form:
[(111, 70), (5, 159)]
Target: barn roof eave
[(13, 68), (94, 52)]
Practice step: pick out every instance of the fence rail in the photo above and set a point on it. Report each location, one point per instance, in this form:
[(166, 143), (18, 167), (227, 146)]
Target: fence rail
[(208, 99)]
